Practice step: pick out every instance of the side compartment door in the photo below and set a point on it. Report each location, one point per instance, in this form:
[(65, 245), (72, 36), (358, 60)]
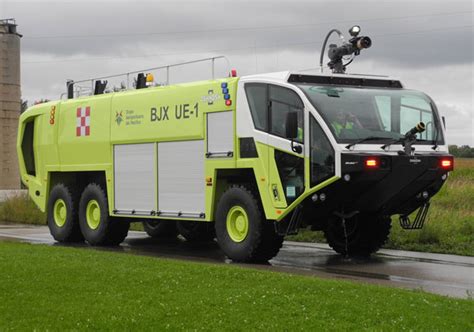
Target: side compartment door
[(135, 179), (181, 186)]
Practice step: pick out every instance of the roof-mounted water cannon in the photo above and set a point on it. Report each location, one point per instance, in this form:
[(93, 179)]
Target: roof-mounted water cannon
[(351, 48)]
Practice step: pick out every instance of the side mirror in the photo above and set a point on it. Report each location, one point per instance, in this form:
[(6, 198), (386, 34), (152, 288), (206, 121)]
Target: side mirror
[(444, 122), (291, 125)]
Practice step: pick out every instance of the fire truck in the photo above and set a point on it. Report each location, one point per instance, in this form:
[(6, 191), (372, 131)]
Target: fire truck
[(242, 160)]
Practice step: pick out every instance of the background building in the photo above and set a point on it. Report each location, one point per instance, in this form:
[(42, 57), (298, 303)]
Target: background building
[(10, 103)]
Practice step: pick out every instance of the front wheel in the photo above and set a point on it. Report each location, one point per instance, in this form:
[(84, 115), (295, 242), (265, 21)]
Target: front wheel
[(362, 235), (97, 226), (241, 229)]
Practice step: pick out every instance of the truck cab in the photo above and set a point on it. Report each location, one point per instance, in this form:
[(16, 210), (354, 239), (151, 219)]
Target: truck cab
[(347, 171)]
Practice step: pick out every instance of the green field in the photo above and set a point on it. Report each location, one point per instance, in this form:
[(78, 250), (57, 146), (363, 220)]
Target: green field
[(59, 288), (449, 227)]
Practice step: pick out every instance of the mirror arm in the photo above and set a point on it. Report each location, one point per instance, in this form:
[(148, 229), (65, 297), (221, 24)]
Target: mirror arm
[(296, 148)]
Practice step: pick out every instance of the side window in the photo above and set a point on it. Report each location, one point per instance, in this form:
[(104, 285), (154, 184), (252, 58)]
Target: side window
[(291, 171), (414, 110), (257, 98), (400, 116), (321, 155), (282, 101), (27, 148)]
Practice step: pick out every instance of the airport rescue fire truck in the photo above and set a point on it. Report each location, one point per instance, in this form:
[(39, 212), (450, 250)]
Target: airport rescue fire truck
[(244, 160)]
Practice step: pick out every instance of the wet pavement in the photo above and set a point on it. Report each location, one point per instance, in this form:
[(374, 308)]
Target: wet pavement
[(436, 273)]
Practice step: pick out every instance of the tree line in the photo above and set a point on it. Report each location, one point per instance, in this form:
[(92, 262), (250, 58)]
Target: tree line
[(463, 151)]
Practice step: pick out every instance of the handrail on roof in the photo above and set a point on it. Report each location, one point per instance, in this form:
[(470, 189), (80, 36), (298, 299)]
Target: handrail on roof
[(167, 67)]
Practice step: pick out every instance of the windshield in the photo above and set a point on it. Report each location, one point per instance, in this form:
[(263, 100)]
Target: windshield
[(357, 113)]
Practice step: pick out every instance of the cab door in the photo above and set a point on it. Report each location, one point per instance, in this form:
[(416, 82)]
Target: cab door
[(286, 156), (269, 105)]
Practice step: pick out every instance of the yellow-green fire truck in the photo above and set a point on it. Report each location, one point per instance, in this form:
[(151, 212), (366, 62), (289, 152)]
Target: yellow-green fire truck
[(246, 160)]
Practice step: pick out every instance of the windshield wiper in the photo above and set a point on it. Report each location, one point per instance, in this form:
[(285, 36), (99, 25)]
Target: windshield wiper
[(370, 138), (394, 141), (408, 139), (402, 141)]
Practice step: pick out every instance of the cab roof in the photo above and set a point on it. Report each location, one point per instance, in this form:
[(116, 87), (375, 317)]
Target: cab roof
[(315, 77)]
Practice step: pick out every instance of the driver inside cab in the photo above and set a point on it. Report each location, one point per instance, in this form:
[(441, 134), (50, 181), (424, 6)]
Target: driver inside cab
[(345, 121)]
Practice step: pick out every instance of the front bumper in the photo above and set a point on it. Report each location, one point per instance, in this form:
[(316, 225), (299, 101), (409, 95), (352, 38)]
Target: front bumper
[(395, 186)]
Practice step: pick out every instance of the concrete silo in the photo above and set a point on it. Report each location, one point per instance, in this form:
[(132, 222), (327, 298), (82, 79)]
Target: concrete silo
[(10, 103)]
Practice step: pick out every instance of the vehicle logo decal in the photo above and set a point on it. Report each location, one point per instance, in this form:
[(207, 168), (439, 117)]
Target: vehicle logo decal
[(83, 124), (211, 97), (415, 160), (118, 117)]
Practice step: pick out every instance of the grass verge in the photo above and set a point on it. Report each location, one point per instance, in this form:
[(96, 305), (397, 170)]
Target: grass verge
[(58, 288), (21, 209)]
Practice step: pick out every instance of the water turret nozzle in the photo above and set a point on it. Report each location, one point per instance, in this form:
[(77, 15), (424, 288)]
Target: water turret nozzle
[(410, 137), (419, 128), (362, 42), (352, 47)]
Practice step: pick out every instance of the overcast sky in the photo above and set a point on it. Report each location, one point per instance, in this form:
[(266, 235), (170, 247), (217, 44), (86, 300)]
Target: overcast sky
[(426, 44)]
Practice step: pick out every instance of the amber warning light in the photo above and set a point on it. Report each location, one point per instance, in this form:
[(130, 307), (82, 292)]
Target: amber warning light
[(372, 163), (447, 163)]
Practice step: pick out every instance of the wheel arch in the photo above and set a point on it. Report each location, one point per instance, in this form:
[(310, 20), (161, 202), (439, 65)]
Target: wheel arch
[(225, 178), (76, 181), (240, 176)]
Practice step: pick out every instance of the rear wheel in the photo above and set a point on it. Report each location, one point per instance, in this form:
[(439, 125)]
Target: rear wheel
[(242, 232), (365, 234), (160, 228), (62, 215), (96, 225), (195, 231)]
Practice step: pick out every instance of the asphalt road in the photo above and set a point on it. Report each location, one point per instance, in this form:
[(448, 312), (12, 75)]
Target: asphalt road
[(441, 274)]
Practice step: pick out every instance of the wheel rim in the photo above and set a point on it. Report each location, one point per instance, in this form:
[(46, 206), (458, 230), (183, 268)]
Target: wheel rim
[(60, 213), (237, 224), (93, 214)]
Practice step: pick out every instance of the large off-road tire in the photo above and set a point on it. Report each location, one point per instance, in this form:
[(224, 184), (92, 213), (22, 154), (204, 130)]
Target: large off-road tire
[(62, 214), (160, 228), (365, 234), (98, 228), (241, 229), (195, 231)]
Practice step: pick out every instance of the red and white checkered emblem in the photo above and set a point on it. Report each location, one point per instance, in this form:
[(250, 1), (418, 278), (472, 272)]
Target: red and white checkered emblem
[(83, 126)]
